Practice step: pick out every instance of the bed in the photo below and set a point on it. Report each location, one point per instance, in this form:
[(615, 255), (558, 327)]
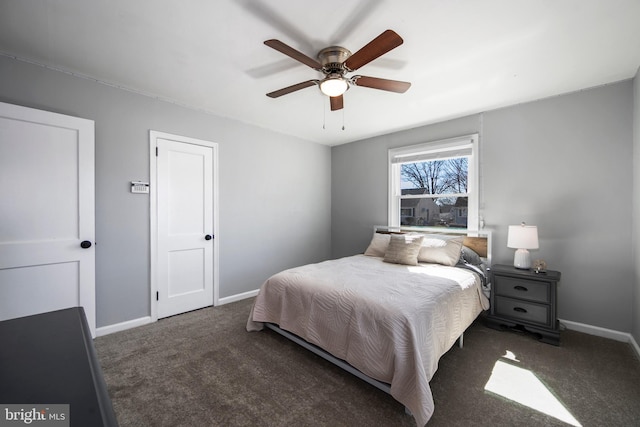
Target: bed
[(386, 315)]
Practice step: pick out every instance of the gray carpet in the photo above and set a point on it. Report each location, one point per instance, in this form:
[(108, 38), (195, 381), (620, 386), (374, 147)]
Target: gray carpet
[(203, 369)]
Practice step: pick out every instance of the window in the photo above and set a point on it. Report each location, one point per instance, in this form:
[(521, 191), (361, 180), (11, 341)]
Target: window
[(435, 184)]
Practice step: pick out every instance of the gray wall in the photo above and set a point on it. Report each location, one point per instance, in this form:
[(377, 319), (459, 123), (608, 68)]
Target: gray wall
[(274, 203), (563, 164), (636, 206), (360, 181)]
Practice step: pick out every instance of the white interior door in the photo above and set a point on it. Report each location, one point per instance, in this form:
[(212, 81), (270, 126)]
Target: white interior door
[(46, 213), (185, 225)]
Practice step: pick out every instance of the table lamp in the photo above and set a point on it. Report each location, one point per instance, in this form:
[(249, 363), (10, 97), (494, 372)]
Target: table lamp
[(522, 237)]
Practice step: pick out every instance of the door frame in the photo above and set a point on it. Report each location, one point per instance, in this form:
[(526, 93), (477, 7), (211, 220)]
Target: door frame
[(153, 210)]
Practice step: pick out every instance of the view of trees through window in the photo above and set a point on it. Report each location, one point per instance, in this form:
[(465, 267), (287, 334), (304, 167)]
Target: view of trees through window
[(434, 193)]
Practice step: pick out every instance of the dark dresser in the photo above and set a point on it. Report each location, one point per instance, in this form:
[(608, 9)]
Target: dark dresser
[(525, 300), (49, 359)]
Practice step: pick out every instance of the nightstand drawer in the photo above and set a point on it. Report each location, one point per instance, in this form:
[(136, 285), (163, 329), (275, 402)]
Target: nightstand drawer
[(530, 290), (522, 310)]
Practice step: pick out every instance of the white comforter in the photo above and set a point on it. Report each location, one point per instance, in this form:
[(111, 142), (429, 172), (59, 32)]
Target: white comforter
[(391, 322)]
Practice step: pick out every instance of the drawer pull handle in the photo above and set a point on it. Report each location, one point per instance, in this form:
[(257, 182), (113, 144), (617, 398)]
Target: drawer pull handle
[(519, 309), (520, 288)]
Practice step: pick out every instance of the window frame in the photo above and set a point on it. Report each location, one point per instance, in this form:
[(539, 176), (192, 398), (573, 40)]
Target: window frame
[(433, 150)]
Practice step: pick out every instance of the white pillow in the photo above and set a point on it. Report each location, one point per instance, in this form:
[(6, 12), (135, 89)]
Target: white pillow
[(433, 242), (378, 245), (445, 252)]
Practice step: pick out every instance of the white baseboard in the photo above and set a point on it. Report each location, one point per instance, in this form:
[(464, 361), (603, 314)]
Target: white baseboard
[(238, 297), (596, 330), (117, 327), (574, 326), (602, 332)]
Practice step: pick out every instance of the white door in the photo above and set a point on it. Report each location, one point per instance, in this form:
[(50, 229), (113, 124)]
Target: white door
[(185, 225), (46, 213)]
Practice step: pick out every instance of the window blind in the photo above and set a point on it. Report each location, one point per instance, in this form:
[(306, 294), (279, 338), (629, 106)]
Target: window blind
[(459, 147)]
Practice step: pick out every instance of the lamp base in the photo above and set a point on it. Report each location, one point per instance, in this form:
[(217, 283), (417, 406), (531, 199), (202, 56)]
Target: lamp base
[(522, 259)]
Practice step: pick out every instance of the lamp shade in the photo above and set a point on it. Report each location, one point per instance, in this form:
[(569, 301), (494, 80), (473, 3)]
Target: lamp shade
[(334, 86), (522, 237)]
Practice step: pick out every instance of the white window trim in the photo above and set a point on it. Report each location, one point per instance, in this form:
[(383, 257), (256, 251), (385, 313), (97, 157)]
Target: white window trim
[(440, 149)]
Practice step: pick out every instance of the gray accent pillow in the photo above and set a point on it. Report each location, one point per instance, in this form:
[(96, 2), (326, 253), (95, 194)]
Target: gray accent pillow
[(470, 256), (403, 249)]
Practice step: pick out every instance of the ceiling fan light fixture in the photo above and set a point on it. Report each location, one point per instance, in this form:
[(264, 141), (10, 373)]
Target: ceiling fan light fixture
[(334, 85)]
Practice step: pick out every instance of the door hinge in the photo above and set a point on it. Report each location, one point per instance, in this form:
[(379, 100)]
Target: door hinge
[(157, 296), (156, 151)]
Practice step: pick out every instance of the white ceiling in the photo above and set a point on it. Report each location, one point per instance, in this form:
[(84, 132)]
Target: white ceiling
[(461, 56)]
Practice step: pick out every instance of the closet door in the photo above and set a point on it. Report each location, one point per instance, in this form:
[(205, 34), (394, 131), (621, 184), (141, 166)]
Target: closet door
[(47, 258), (185, 224)]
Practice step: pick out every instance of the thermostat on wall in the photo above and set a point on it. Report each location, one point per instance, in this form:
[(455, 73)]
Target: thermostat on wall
[(139, 187)]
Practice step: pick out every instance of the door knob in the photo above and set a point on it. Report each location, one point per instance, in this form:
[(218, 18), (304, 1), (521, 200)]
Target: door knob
[(85, 244), (208, 237)]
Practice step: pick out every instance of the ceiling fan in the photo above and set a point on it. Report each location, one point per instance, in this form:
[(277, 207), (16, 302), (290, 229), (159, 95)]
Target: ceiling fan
[(336, 61)]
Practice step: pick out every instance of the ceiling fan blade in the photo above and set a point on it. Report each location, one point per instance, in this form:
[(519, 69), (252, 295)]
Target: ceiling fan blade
[(337, 102), (354, 19), (292, 88), (277, 20), (295, 54), (382, 84), (382, 44)]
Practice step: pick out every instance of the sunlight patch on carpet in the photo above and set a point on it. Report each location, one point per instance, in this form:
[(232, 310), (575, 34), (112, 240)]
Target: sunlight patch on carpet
[(522, 386)]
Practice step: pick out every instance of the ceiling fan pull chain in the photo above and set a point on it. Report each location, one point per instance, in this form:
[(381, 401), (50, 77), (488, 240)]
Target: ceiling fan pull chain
[(324, 115), (343, 119)]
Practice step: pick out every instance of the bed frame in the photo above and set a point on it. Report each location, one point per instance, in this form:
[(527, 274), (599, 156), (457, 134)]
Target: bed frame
[(329, 357), (338, 362), (480, 243)]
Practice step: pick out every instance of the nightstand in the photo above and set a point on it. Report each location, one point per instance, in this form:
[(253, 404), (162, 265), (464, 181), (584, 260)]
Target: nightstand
[(523, 299)]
